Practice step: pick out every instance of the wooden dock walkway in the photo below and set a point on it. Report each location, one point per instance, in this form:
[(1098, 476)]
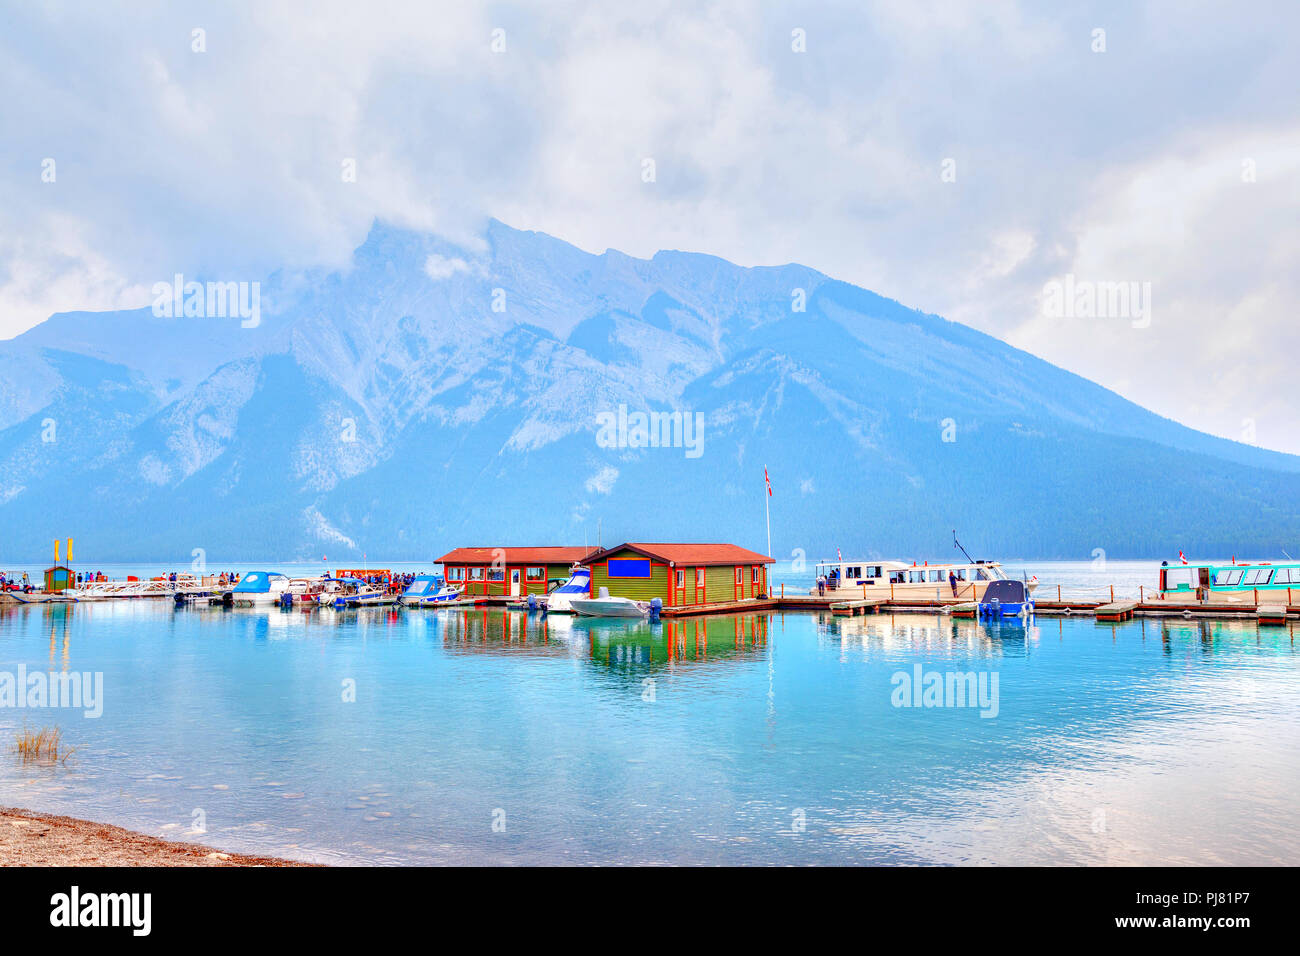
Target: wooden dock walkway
[(871, 605), (1115, 611), (725, 607)]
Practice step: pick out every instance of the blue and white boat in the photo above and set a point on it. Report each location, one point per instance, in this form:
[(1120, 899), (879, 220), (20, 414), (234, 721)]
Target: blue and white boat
[(428, 590), (340, 593), (1006, 598), (577, 585), (259, 588)]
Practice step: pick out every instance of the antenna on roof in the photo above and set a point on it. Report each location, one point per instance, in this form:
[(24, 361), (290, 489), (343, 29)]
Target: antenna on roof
[(1288, 557), (598, 520), (957, 544)]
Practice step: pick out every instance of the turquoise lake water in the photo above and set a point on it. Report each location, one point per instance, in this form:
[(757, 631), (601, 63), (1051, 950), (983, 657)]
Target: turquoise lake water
[(493, 736)]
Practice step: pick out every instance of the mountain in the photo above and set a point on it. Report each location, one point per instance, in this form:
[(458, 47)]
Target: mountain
[(433, 395)]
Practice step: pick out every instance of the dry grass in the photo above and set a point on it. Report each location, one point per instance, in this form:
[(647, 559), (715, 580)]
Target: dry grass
[(45, 745)]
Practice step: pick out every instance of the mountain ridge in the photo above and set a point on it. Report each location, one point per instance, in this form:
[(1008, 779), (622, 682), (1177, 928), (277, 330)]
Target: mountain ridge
[(391, 408)]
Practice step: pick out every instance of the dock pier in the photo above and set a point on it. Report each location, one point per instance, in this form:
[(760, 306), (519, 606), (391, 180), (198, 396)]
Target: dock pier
[(840, 605)]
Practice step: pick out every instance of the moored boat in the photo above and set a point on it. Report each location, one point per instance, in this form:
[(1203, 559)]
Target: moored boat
[(1006, 598), (576, 585), (340, 593), (304, 591), (429, 590), (951, 582), (259, 588), (1237, 582), (606, 606)]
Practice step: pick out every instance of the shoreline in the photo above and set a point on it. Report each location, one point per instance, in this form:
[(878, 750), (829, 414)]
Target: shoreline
[(28, 838)]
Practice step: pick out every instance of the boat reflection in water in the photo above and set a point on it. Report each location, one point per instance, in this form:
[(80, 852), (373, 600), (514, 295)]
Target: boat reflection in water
[(940, 634)]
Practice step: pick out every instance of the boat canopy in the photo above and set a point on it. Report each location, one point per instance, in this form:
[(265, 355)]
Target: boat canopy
[(578, 583), (257, 582), (424, 584), (1006, 591)]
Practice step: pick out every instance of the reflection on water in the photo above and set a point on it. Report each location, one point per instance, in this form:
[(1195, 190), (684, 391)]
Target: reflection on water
[(388, 735)]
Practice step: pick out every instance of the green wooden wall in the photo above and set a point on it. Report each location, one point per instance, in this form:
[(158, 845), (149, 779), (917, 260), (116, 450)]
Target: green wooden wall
[(638, 589)]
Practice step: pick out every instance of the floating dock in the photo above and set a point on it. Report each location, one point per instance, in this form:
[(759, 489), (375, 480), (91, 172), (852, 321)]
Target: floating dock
[(840, 605), (871, 605), (1115, 611), (1271, 614)]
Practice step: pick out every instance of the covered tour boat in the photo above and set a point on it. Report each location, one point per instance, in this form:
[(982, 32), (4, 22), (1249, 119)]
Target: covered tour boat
[(899, 580), (1237, 582)]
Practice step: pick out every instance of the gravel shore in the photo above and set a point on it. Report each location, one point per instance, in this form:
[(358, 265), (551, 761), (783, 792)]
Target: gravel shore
[(42, 839)]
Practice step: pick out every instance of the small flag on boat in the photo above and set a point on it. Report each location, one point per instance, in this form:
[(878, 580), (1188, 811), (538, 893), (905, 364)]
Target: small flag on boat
[(838, 557), (1182, 557), (768, 480)]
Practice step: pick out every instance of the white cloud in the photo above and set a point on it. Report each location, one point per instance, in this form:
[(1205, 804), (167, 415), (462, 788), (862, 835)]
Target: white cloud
[(602, 482), (438, 267)]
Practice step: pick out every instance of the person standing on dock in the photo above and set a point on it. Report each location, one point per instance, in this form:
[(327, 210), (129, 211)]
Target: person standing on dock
[(821, 585)]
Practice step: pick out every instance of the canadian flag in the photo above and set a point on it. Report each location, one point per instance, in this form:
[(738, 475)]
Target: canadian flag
[(1182, 557), (768, 480)]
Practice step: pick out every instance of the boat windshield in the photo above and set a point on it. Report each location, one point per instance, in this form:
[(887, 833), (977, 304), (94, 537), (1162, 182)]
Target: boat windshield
[(420, 586), (578, 583)]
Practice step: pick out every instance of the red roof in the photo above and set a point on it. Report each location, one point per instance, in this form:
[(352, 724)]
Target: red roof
[(695, 555), (548, 555)]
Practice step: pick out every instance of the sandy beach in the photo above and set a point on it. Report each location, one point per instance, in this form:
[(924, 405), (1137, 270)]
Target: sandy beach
[(42, 839)]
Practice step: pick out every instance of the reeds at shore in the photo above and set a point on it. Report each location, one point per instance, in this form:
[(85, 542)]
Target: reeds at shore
[(45, 745)]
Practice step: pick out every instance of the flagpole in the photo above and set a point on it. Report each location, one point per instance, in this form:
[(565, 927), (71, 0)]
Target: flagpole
[(767, 508)]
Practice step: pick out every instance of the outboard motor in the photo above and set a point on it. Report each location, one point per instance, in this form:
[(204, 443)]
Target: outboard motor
[(532, 603), (286, 599), (228, 599), (996, 606), (656, 605)]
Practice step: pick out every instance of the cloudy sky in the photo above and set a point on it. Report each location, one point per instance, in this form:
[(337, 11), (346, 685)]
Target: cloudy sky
[(959, 157)]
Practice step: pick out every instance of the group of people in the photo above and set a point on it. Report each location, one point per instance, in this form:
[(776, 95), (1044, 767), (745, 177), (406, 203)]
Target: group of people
[(399, 582)]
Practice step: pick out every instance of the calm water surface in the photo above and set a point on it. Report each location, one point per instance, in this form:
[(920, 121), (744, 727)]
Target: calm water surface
[(741, 739)]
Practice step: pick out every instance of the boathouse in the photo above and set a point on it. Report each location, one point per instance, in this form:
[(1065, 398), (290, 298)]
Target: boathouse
[(516, 572), (680, 574)]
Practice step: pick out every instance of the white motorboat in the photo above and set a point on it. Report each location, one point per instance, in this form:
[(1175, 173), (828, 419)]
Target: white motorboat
[(305, 591), (606, 606), (577, 585), (259, 588)]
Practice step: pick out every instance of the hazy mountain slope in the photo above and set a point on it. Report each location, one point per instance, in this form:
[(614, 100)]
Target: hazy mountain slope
[(432, 396)]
